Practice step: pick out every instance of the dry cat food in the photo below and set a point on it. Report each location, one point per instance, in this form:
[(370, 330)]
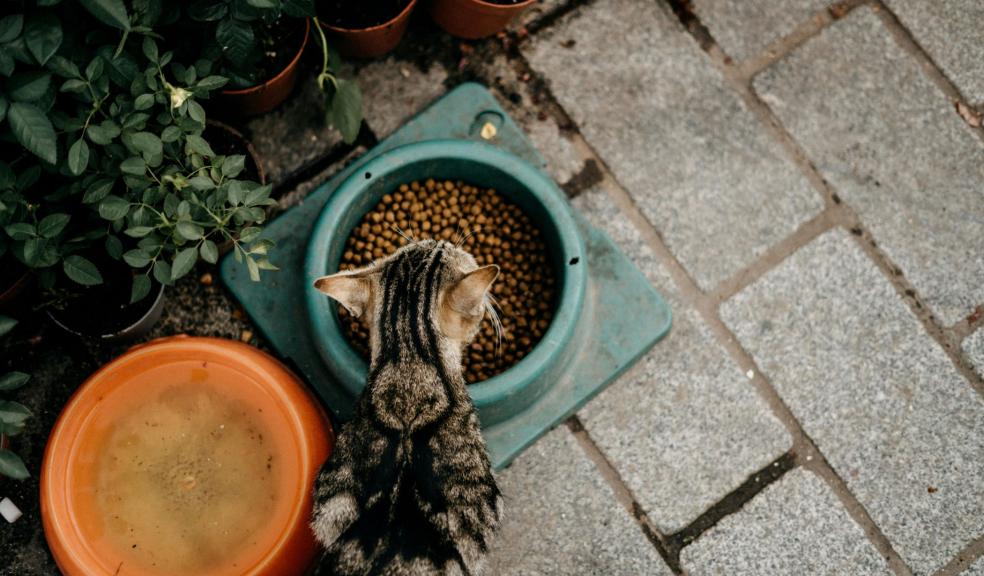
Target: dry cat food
[(491, 229)]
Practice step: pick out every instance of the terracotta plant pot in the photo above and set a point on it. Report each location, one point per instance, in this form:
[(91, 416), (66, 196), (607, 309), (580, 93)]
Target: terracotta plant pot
[(15, 285), (473, 19), (267, 96), (373, 41), (185, 456)]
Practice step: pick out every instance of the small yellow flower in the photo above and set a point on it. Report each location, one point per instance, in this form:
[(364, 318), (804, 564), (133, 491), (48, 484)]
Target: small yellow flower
[(178, 96)]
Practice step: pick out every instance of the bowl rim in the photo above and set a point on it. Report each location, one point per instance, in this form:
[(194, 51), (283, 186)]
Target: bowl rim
[(71, 551), (339, 356)]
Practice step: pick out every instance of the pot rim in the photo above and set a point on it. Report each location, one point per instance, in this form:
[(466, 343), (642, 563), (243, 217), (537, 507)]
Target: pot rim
[(503, 6), (386, 24), (158, 301), (282, 73), (347, 365), (62, 444)]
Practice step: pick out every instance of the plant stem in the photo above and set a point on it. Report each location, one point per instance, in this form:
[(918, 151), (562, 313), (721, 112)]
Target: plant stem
[(324, 58)]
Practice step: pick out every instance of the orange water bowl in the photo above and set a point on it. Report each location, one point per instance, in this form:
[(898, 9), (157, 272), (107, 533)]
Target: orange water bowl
[(185, 456)]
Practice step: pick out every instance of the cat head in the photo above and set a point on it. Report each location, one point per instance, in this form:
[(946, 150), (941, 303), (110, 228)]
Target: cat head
[(429, 294)]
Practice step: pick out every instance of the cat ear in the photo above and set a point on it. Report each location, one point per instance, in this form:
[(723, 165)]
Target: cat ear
[(351, 290), (468, 295)]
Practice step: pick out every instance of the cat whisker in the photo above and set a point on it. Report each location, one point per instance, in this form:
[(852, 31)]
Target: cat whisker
[(467, 235), (490, 309), (408, 238)]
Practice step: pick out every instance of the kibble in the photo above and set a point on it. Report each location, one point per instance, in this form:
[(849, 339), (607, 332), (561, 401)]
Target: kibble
[(490, 228)]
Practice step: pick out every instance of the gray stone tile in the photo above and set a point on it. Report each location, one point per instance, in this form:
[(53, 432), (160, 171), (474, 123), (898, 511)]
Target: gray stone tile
[(894, 149), (700, 165), (686, 427), (295, 132), (297, 195), (743, 29), (877, 394), (393, 91), (524, 106), (973, 347), (950, 32), (976, 569), (562, 518), (795, 526)]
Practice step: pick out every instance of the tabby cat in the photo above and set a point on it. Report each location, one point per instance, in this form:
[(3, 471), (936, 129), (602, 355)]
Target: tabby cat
[(409, 489)]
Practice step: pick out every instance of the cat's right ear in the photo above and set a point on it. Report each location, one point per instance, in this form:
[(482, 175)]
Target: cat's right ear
[(351, 290)]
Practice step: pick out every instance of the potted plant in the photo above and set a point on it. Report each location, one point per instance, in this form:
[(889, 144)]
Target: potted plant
[(257, 44), (13, 415), (113, 178), (366, 29), (474, 19)]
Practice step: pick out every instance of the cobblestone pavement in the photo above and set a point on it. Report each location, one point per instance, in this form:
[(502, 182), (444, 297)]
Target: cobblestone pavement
[(804, 181)]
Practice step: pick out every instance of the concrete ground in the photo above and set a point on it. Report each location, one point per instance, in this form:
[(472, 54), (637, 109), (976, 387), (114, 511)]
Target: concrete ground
[(804, 181)]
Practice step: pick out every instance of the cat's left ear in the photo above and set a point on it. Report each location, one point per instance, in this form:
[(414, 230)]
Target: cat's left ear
[(351, 290)]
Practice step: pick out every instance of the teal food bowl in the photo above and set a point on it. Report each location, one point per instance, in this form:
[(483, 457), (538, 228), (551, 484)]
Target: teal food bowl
[(512, 391)]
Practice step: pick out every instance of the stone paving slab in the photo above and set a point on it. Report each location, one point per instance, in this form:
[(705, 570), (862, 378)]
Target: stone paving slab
[(536, 12), (394, 90), (796, 526), (973, 347), (686, 428), (562, 518), (745, 28), (950, 32), (976, 569), (877, 394), (892, 146), (700, 165), (295, 132)]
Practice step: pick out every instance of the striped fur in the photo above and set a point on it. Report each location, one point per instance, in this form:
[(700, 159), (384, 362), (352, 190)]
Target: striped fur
[(409, 489)]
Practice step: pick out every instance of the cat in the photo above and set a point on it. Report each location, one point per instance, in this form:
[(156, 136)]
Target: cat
[(409, 489)]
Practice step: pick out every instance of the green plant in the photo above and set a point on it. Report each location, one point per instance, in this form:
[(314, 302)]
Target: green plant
[(113, 156), (13, 415), (343, 99)]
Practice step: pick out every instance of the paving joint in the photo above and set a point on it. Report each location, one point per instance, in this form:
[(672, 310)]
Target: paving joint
[(963, 560), (550, 18)]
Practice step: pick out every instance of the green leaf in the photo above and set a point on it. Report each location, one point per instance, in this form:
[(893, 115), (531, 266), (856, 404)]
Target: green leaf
[(196, 112), (28, 86), (207, 10), (13, 412), (298, 8), (197, 144), (170, 134), (247, 235), (82, 271), (345, 110), (233, 165), (209, 252), (184, 261), (95, 69), (21, 231), (137, 258), (146, 143), (103, 133), (143, 102), (12, 466), (6, 324), (3, 107), (52, 225), (10, 27), (212, 83), (6, 63), (33, 130), (202, 183), (258, 195), (162, 272), (13, 380), (109, 12), (138, 231), (63, 67), (43, 36), (262, 3), (32, 251), (236, 40), (78, 157), (113, 207), (265, 264), (113, 247), (97, 191), (74, 85), (134, 165), (254, 270), (189, 231), (141, 287), (150, 49)]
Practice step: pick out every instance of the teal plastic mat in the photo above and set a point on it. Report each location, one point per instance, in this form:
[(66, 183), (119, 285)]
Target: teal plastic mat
[(623, 315)]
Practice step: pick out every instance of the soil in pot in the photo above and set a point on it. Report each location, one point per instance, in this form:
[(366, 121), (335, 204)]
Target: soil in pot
[(105, 309), (226, 141), (278, 42), (359, 15), (490, 228)]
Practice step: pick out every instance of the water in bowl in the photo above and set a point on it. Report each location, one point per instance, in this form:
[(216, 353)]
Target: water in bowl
[(186, 480)]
